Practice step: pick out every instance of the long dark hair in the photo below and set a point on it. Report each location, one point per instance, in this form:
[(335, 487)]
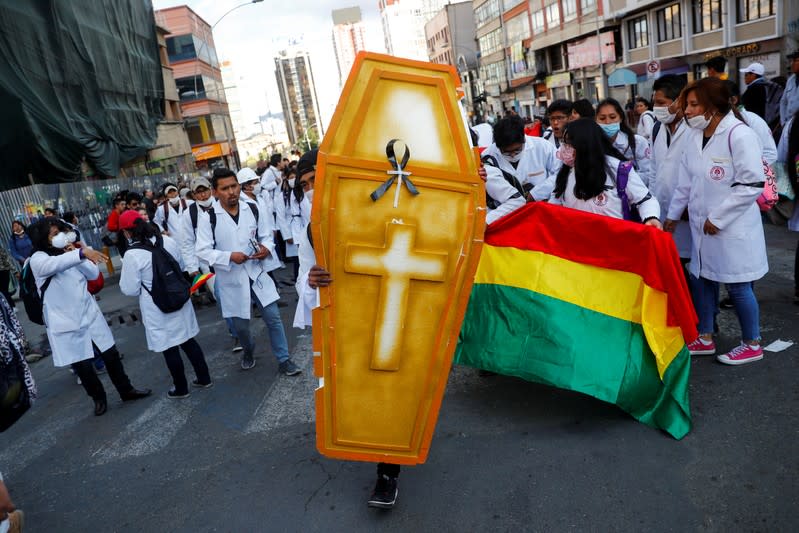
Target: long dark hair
[(142, 231), (39, 233), (287, 190), (591, 145), (624, 127), (793, 151)]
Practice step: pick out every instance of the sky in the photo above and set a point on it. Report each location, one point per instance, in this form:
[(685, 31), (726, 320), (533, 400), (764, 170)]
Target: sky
[(251, 36)]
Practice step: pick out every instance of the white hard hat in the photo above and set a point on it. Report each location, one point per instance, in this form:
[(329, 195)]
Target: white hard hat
[(246, 174)]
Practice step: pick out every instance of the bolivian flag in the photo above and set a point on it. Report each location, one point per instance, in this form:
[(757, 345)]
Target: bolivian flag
[(587, 303)]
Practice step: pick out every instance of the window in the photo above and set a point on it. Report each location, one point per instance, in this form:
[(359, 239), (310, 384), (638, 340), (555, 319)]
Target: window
[(510, 4), (569, 9), (198, 88), (553, 15), (493, 72), (588, 5), (669, 23), (517, 29), (538, 21), (755, 9), (707, 15), (180, 47), (637, 32), (486, 12), (490, 42), (556, 58)]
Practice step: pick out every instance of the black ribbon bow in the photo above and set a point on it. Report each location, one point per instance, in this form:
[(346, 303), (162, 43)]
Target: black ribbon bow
[(399, 172)]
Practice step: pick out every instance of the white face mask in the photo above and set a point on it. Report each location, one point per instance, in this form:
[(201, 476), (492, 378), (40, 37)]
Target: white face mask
[(291, 182), (309, 195), (699, 122), (205, 203), (72, 237), (663, 115), (174, 201), (513, 158), (60, 240), (257, 189)]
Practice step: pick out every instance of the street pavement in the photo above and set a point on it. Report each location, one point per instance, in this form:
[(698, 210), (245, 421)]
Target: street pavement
[(507, 455)]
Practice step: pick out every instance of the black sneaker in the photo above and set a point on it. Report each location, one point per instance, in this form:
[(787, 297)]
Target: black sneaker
[(288, 368), (726, 303), (385, 493), (175, 395), (236, 346), (247, 362), (199, 385)]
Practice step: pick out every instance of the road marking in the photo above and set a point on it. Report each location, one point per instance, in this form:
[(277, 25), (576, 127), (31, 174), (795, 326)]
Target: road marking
[(16, 456)]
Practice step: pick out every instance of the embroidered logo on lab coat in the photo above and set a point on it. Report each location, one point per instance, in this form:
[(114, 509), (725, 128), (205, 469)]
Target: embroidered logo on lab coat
[(717, 172), (601, 200)]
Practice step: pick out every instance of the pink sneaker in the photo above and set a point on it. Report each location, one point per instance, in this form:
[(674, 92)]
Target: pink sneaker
[(741, 354), (702, 347)]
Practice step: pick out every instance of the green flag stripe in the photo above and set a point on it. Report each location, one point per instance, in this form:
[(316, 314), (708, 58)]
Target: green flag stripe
[(522, 333)]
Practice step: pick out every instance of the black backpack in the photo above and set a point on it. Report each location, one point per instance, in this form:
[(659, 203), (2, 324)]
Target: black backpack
[(170, 290), (510, 178), (32, 298)]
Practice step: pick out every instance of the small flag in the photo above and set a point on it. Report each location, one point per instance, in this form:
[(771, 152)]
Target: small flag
[(199, 281)]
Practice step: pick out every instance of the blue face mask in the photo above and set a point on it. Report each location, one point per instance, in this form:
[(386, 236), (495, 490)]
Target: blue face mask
[(611, 129)]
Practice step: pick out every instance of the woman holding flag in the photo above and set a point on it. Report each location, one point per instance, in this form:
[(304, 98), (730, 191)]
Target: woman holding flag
[(165, 332)]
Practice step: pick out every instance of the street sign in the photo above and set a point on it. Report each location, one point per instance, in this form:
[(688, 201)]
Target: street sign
[(653, 70)]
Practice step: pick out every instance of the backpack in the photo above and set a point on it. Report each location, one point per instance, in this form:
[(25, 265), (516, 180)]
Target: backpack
[(510, 178), (629, 211), (773, 96), (32, 297), (170, 290)]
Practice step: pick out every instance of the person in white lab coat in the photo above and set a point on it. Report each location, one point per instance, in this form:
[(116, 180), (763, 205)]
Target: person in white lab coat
[(72, 317), (646, 118), (667, 148), (293, 213), (165, 332), (234, 239), (589, 177), (530, 159), (788, 155), (610, 117), (168, 214), (767, 145), (720, 178)]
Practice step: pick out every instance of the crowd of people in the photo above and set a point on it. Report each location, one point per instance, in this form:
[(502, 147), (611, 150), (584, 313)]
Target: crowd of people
[(695, 163)]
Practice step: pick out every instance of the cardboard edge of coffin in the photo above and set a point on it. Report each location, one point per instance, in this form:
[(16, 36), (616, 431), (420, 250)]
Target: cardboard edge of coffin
[(324, 332)]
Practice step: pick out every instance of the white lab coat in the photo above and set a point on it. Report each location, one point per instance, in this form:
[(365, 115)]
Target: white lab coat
[(503, 192), (737, 253), (307, 298), (789, 103), (71, 315), (174, 223), (645, 124), (667, 149), (292, 219), (782, 155), (188, 239), (162, 330), (764, 135), (270, 183), (234, 281), (538, 166), (608, 203), (643, 154)]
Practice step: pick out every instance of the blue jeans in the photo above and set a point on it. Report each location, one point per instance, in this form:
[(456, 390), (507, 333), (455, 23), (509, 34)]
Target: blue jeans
[(706, 300), (274, 325)]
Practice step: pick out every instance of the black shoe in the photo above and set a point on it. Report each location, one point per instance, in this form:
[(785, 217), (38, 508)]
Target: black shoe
[(726, 303), (136, 394), (236, 346), (175, 395), (100, 407), (385, 493), (247, 362), (199, 385), (288, 368)]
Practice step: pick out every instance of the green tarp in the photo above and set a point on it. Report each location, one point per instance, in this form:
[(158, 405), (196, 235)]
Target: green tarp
[(78, 79)]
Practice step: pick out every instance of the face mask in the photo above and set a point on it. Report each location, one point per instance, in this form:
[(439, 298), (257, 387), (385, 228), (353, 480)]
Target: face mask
[(513, 158), (174, 201), (60, 241), (291, 182), (309, 195), (699, 122), (257, 189), (663, 115), (205, 203), (611, 130), (72, 237), (566, 154)]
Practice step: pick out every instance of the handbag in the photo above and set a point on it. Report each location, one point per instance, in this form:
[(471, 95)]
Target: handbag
[(769, 197), (784, 187)]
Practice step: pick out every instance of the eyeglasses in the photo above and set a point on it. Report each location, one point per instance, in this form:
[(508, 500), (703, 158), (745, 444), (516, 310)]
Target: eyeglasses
[(558, 118)]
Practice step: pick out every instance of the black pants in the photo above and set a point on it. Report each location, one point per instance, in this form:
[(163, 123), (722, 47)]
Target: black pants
[(92, 384), (5, 278), (388, 469), (175, 364)]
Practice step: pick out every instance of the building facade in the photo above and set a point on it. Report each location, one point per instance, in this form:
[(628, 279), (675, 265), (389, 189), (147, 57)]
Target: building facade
[(192, 55), (403, 25), (295, 82), (349, 35)]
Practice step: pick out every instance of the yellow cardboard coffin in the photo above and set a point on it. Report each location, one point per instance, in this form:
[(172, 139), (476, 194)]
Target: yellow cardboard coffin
[(398, 218)]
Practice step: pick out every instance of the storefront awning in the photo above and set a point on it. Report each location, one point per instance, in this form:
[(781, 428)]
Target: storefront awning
[(622, 76)]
